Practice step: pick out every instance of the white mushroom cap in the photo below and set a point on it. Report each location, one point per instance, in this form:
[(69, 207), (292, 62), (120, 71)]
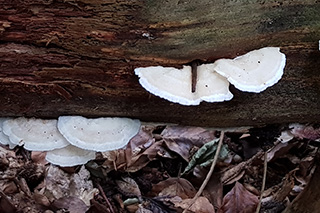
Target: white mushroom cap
[(254, 71), (34, 134), (99, 134), (175, 84), (69, 156), (4, 139)]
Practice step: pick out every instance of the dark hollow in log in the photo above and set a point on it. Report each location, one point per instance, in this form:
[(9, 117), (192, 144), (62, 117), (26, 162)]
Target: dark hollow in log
[(76, 57)]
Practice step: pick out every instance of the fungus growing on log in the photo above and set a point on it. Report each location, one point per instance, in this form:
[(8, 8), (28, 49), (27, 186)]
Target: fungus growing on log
[(98, 134), (34, 134), (253, 71), (70, 156), (175, 85)]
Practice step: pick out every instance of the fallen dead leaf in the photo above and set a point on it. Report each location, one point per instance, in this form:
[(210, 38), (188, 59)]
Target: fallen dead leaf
[(305, 131), (60, 184), (280, 150), (214, 190), (141, 209), (8, 187), (201, 205), (6, 206), (174, 187), (97, 207), (140, 150), (235, 173), (141, 160), (181, 140), (128, 187), (286, 187), (239, 199), (41, 199), (39, 157), (69, 204)]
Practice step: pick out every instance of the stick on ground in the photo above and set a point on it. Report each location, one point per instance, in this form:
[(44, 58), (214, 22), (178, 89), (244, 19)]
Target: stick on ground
[(205, 182), (265, 166)]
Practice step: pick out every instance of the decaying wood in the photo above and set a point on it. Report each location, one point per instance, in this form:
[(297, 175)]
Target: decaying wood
[(61, 57)]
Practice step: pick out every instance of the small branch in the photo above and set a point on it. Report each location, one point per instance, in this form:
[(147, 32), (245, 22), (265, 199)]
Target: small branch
[(194, 74), (265, 166), (105, 197), (205, 182)]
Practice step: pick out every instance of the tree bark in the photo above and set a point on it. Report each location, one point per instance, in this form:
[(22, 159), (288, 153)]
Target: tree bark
[(76, 57)]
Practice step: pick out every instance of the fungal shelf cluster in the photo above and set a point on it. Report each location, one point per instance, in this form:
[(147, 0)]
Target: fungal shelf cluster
[(252, 72), (70, 140)]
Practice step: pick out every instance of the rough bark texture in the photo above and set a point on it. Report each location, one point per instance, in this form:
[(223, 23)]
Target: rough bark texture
[(62, 57)]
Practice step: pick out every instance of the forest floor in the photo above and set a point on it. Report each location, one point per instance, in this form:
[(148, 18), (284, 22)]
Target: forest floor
[(162, 169)]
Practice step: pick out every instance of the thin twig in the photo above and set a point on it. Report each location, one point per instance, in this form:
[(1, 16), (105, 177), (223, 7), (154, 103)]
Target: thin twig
[(265, 166), (194, 73), (205, 182), (105, 197)]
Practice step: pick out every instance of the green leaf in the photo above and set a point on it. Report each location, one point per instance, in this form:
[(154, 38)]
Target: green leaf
[(204, 156)]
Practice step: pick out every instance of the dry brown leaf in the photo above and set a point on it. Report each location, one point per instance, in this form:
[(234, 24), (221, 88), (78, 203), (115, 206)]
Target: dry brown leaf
[(39, 157), (141, 141), (138, 153), (60, 184), (115, 160), (305, 131), (69, 204), (201, 205), (5, 151), (97, 207), (181, 140), (41, 199), (214, 190), (234, 173), (280, 150), (306, 168), (239, 200), (309, 199), (286, 187), (174, 187), (128, 187), (6, 206), (141, 209), (22, 183), (8, 187)]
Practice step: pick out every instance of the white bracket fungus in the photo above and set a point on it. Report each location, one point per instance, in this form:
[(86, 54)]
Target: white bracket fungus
[(175, 84), (34, 134), (252, 72), (69, 156), (99, 134), (4, 139), (85, 135)]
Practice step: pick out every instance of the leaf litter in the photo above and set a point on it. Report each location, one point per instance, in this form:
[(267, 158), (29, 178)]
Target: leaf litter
[(162, 169)]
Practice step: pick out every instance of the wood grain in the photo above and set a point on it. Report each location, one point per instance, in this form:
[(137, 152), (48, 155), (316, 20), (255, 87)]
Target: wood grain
[(76, 57)]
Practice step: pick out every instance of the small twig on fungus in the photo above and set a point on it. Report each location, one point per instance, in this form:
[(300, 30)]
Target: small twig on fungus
[(105, 197), (265, 166), (205, 182)]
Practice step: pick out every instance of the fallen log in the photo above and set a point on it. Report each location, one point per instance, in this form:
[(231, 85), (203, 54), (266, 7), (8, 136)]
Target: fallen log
[(76, 57)]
